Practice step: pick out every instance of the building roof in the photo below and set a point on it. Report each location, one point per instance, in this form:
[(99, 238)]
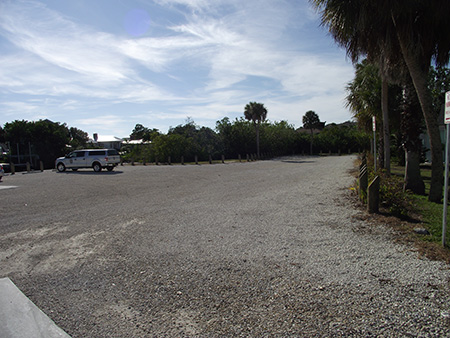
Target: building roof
[(106, 138)]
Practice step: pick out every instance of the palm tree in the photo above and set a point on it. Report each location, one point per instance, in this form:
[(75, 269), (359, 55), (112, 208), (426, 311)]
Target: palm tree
[(423, 32), (413, 30), (363, 100), (311, 121), (411, 127), (364, 96), (257, 113)]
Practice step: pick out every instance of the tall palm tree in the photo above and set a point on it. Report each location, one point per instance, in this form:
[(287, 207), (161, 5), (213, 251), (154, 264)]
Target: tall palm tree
[(311, 121), (257, 113), (423, 32), (413, 30), (352, 24)]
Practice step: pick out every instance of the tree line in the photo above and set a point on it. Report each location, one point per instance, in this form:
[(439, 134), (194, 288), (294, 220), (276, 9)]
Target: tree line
[(232, 138), (250, 134)]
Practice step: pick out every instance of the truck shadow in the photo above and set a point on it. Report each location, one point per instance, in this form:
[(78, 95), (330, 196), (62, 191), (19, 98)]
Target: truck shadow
[(89, 172)]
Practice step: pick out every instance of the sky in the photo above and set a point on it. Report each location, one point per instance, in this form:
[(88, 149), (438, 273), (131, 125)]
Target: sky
[(104, 66)]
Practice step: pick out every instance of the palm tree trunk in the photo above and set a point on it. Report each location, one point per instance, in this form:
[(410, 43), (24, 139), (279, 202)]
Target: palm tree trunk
[(386, 133), (411, 119), (419, 77), (413, 179), (257, 140)]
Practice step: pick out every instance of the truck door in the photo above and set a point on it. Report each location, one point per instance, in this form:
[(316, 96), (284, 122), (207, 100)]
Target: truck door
[(78, 160)]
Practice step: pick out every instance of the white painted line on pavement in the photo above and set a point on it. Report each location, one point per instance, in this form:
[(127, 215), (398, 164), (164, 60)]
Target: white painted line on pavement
[(7, 187)]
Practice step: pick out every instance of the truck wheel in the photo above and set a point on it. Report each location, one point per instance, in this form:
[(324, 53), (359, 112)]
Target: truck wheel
[(97, 167), (61, 167)]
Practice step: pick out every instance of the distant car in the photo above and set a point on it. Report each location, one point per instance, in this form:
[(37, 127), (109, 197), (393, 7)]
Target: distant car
[(1, 171), (89, 158)]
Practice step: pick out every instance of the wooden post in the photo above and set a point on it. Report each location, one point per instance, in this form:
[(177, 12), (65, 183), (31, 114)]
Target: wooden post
[(363, 182), (41, 165), (196, 159), (248, 158), (28, 167), (373, 196), (210, 159), (363, 161), (182, 160), (156, 161), (169, 160), (223, 158), (239, 157), (13, 168)]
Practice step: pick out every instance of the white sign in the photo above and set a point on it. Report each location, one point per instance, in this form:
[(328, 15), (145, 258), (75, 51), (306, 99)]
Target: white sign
[(447, 108), (374, 125)]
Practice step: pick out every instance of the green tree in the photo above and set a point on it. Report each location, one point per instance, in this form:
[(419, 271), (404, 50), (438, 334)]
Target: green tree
[(439, 83), (278, 138), (311, 121), (257, 113), (143, 133), (365, 97), (2, 135), (201, 141), (48, 140), (78, 138)]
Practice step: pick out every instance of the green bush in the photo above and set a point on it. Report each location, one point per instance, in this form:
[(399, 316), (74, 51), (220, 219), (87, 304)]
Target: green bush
[(392, 196)]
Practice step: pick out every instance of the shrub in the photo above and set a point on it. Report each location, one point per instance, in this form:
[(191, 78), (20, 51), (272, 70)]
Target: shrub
[(392, 196)]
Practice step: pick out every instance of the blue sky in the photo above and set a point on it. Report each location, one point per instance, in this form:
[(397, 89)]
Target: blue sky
[(105, 65)]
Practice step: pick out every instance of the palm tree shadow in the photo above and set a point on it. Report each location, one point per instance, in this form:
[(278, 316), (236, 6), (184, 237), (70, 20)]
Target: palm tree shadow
[(297, 161)]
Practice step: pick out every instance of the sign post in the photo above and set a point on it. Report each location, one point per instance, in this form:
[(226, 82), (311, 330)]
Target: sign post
[(447, 122), (374, 127)]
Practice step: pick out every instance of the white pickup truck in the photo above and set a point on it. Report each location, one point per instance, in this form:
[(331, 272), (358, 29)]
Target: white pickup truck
[(89, 158)]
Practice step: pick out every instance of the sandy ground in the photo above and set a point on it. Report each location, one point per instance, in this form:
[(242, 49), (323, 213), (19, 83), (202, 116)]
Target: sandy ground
[(259, 249)]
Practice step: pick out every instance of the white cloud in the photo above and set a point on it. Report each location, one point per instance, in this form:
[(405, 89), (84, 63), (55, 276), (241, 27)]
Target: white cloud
[(209, 62)]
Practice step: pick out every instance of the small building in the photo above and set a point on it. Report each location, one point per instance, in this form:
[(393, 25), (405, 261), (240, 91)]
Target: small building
[(106, 141)]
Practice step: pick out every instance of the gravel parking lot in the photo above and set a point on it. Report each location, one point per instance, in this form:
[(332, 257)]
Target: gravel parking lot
[(259, 249)]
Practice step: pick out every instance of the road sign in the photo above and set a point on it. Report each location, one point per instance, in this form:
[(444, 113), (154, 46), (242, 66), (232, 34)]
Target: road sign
[(447, 148), (447, 108), (374, 127)]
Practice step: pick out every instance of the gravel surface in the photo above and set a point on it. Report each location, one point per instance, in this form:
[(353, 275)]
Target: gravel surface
[(259, 249)]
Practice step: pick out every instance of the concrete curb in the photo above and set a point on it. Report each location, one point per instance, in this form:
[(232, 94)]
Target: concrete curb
[(19, 317)]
